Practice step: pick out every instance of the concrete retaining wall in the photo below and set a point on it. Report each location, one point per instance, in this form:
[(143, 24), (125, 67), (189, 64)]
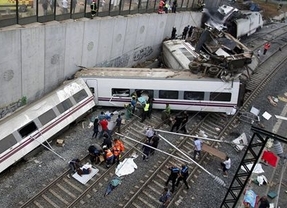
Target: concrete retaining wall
[(36, 58)]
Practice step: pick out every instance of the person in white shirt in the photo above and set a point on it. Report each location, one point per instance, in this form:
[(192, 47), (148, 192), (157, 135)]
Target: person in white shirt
[(225, 165), (197, 148), (65, 6)]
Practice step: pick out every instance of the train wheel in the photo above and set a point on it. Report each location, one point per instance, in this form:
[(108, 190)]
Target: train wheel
[(213, 70), (194, 67)]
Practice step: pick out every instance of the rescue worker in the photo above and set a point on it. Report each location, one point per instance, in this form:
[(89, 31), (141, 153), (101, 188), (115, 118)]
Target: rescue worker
[(93, 8), (165, 116), (133, 104), (174, 171), (107, 141), (154, 142), (184, 122), (74, 165), (94, 153), (118, 148), (183, 176), (177, 122), (146, 149), (145, 111), (109, 156), (266, 47)]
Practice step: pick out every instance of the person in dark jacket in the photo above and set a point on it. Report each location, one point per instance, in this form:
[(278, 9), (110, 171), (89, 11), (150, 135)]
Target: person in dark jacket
[(96, 128), (146, 149), (93, 9), (177, 123), (184, 122), (183, 176), (154, 143), (94, 153), (174, 172), (173, 33), (107, 141), (74, 165), (184, 33)]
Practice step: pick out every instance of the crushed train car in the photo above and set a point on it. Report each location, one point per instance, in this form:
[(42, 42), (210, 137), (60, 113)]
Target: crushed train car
[(212, 52)]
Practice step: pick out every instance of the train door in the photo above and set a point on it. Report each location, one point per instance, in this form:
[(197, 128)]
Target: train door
[(93, 85)]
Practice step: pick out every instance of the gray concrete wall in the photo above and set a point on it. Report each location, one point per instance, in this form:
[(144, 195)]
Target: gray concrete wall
[(36, 58)]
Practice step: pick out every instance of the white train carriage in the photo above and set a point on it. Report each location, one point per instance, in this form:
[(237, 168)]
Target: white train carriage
[(27, 128), (181, 89)]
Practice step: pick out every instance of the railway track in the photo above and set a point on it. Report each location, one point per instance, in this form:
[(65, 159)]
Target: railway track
[(64, 192)]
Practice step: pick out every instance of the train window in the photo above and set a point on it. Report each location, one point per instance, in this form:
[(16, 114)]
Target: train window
[(92, 89), (119, 92), (81, 95), (193, 95), (148, 93), (27, 129), (47, 116), (186, 53), (220, 96), (65, 105), (168, 94), (7, 142)]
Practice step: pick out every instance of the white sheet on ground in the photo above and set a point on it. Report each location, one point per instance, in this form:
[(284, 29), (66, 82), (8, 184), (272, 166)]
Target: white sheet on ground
[(257, 169), (261, 179), (242, 139), (126, 167), (85, 178)]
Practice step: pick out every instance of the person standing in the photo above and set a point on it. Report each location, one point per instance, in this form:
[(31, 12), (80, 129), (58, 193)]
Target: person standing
[(154, 143), (145, 111), (45, 6), (184, 33), (165, 116), (173, 33), (183, 176), (96, 128), (266, 47), (104, 124), (107, 141), (174, 6), (133, 104), (128, 111), (165, 198), (177, 123), (190, 31), (149, 133), (225, 166), (119, 123), (197, 148), (174, 171), (146, 150), (74, 5), (150, 101), (65, 6), (94, 9), (184, 122)]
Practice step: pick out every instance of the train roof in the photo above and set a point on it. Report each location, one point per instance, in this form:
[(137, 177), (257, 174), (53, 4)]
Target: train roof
[(33, 110), (141, 73)]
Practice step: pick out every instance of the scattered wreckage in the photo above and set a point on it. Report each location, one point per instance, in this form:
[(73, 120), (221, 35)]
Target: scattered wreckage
[(208, 51)]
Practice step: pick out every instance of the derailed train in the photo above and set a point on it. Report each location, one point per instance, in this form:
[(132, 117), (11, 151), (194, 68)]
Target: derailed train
[(28, 128), (238, 23)]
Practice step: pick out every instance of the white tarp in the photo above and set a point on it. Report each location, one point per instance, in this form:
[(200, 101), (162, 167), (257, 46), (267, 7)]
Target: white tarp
[(257, 169), (86, 177), (126, 167), (242, 139)]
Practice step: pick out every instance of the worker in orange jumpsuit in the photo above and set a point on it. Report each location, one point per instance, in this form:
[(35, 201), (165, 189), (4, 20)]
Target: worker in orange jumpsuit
[(266, 47), (118, 148), (109, 156)]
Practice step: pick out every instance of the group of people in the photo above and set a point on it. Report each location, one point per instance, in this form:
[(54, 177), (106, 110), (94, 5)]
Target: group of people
[(165, 6), (110, 151)]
